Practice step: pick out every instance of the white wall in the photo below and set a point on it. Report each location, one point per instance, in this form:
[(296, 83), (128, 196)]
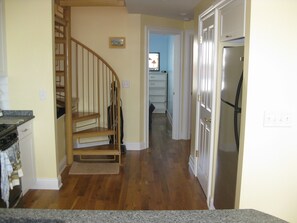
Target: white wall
[(3, 72), (2, 40), (269, 159)]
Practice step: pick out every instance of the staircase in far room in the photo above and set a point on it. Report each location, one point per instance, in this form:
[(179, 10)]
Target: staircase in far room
[(89, 90)]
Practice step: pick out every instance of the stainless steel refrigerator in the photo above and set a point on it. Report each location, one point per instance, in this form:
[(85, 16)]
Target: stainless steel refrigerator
[(228, 144)]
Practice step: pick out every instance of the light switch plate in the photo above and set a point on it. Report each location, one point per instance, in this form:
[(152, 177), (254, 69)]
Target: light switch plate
[(42, 95), (125, 84)]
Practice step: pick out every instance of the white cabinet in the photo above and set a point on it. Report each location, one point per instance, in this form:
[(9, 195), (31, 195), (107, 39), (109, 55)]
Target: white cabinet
[(2, 42), (158, 91), (232, 20), (25, 132)]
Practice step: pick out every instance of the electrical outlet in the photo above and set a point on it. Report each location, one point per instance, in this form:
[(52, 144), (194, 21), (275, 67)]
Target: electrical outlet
[(277, 119)]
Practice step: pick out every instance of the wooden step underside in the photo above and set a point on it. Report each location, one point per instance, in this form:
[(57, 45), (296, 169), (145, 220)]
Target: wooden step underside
[(60, 73), (104, 150), (93, 132), (60, 40), (60, 57), (60, 88), (83, 116), (59, 31)]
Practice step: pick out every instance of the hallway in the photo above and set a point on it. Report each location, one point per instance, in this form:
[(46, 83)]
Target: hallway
[(154, 179)]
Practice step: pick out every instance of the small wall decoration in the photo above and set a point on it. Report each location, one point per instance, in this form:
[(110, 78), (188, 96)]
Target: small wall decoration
[(154, 61), (117, 42)]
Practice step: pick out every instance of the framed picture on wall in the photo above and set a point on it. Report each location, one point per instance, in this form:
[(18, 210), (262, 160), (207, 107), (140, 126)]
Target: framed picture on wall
[(154, 61), (117, 42)]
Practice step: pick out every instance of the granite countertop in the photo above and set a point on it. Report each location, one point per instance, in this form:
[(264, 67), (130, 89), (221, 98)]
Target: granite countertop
[(90, 216), (17, 117)]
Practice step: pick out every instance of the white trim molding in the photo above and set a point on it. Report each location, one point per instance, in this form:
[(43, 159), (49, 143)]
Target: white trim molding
[(135, 146), (48, 183), (169, 117), (185, 129), (192, 164), (211, 205), (62, 165)]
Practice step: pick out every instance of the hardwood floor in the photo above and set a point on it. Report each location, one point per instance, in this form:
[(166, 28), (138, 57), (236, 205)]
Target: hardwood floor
[(154, 179)]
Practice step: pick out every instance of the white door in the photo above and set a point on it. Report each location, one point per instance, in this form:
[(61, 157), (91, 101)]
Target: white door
[(205, 89)]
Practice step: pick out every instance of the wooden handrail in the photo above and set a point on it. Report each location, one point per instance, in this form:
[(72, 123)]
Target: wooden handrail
[(97, 55)]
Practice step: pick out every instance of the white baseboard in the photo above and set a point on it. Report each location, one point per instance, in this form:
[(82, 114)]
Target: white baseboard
[(169, 117), (62, 165), (192, 164), (48, 183), (211, 205), (135, 146)]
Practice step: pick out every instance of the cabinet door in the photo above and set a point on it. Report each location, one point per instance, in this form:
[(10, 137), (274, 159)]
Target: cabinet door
[(232, 20), (27, 156)]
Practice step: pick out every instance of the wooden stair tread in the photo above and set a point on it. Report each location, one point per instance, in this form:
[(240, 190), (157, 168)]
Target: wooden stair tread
[(60, 56), (74, 100), (107, 149), (60, 40), (82, 116), (60, 21), (59, 31), (92, 132), (60, 88), (60, 73), (60, 103)]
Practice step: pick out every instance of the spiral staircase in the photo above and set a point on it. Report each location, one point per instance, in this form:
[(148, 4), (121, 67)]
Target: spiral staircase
[(89, 90)]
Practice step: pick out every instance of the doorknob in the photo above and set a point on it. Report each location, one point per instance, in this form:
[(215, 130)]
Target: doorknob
[(207, 120)]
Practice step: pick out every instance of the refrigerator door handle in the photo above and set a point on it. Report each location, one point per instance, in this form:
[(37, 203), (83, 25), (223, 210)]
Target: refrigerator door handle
[(228, 103), (237, 110)]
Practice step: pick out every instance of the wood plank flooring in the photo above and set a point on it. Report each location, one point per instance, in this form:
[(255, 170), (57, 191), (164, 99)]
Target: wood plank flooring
[(154, 179)]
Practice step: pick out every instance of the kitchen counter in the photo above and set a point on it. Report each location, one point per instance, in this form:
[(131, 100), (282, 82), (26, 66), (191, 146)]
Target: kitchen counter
[(16, 117), (90, 216)]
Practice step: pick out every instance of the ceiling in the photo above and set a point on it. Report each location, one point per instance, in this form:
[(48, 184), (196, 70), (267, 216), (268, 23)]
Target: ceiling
[(175, 9)]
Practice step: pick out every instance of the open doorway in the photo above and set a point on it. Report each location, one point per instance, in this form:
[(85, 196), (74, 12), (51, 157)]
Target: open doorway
[(163, 88), (174, 48), (161, 75)]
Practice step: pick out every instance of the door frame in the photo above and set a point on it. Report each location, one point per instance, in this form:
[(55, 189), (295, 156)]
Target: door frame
[(187, 84), (177, 80)]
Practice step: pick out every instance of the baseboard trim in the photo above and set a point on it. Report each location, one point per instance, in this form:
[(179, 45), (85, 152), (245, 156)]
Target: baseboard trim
[(48, 183), (211, 205), (192, 164), (135, 146), (62, 165), (169, 117)]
